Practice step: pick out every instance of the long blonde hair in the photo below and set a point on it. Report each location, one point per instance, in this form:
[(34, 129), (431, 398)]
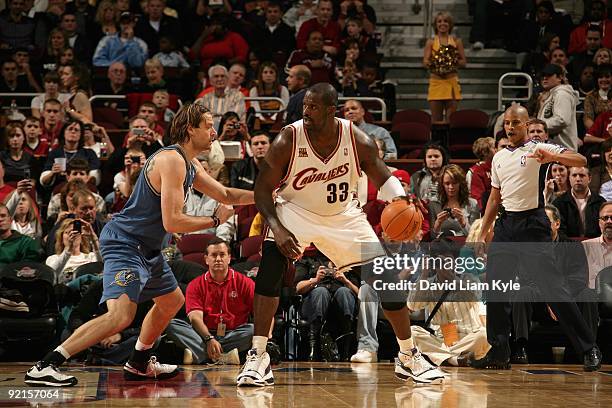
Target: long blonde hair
[(59, 238)]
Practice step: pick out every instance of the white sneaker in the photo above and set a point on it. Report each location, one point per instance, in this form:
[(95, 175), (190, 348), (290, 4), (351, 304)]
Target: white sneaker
[(154, 370), (364, 356), (49, 376), (256, 371), (413, 365), (477, 46), (231, 357)]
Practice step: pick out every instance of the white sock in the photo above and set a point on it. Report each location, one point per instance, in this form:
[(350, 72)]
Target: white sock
[(453, 361), (259, 344), (63, 352), (140, 346), (405, 345)]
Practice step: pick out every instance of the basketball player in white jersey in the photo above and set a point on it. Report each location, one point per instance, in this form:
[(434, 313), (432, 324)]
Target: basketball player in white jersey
[(315, 164)]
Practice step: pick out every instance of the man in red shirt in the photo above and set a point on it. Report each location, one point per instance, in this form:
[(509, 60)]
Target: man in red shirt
[(218, 305), (600, 130), (324, 24), (52, 121)]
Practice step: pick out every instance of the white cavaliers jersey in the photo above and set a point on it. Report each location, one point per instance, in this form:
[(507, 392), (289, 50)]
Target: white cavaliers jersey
[(324, 186)]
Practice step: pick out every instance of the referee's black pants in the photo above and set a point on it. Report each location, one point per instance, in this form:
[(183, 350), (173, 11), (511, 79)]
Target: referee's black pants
[(523, 242)]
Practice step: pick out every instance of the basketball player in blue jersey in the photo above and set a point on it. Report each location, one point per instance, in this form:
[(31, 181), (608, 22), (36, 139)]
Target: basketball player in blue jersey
[(134, 268), (317, 162)]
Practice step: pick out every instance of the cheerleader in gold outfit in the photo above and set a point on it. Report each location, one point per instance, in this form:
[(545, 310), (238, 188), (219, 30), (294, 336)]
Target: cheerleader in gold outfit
[(443, 56)]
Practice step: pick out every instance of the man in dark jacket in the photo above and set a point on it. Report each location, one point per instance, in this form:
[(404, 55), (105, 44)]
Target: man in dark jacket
[(579, 207), (298, 80), (244, 172)]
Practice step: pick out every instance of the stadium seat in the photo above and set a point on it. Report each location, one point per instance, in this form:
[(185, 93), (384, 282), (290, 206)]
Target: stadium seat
[(411, 136), (194, 243), (107, 117), (411, 115), (250, 248), (465, 127)]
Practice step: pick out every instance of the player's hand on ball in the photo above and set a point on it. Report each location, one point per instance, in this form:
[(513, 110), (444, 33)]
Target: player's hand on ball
[(224, 212), (287, 243)]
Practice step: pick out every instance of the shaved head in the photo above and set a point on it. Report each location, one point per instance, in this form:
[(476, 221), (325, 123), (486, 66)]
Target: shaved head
[(518, 110), (516, 121), (329, 95)]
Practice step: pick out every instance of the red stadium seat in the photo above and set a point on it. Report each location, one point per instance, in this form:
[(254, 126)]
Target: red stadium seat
[(250, 247), (466, 126), (411, 136), (411, 115), (194, 243)]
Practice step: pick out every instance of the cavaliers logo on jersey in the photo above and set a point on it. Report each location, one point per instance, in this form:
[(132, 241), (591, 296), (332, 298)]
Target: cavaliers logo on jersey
[(312, 175)]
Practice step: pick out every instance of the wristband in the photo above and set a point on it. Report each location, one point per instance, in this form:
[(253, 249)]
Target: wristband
[(216, 221)]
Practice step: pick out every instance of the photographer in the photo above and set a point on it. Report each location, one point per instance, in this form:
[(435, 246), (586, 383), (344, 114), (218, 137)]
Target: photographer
[(458, 333), (232, 129), (322, 286), (455, 210)]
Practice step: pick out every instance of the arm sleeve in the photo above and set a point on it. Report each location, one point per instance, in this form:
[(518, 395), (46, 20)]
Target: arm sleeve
[(494, 176), (101, 58), (391, 150), (137, 52), (194, 298)]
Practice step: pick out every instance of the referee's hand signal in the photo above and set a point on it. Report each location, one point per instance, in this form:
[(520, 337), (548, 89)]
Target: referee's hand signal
[(542, 156)]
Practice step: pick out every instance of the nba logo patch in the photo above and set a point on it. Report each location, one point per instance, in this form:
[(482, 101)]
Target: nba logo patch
[(523, 160), (302, 152), (346, 151), (233, 294)]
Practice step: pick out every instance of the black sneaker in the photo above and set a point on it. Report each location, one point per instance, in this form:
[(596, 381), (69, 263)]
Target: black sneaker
[(48, 376), (592, 359), (153, 371), (492, 362), (520, 356)]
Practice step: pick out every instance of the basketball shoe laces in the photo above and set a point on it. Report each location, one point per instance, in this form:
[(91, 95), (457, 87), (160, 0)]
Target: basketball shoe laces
[(157, 366), (252, 363), (419, 364)]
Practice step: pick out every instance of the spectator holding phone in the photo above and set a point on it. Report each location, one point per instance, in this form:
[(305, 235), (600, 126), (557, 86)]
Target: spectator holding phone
[(455, 210), (71, 250), (133, 161)]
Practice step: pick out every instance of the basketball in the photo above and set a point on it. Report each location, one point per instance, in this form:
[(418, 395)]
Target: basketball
[(400, 220)]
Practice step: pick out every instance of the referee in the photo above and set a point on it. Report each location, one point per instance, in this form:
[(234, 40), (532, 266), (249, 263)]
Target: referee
[(522, 241)]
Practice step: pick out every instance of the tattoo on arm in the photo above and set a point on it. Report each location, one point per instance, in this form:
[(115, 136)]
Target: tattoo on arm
[(150, 167)]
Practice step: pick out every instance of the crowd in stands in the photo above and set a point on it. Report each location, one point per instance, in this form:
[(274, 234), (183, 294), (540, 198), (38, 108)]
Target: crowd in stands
[(68, 161)]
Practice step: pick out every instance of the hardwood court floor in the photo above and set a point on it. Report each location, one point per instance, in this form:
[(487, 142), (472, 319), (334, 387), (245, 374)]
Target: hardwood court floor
[(320, 385)]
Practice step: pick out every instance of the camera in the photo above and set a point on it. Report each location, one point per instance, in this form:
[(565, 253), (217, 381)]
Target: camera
[(236, 126), (77, 226), (138, 132), (26, 174), (329, 272), (87, 126), (450, 212), (135, 159)]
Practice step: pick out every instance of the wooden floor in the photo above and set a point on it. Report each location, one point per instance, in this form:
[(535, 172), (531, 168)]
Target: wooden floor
[(320, 385)]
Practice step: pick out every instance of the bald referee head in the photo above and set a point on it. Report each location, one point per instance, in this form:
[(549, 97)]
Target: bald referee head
[(516, 122)]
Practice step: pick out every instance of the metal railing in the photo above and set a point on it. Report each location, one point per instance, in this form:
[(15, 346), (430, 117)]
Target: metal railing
[(383, 105), (502, 85)]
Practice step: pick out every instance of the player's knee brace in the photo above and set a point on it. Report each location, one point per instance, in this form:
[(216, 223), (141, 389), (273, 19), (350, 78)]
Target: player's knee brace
[(393, 306), (272, 268)]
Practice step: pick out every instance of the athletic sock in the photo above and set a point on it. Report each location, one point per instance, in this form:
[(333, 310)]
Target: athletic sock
[(405, 345), (259, 344), (56, 357), (140, 355)]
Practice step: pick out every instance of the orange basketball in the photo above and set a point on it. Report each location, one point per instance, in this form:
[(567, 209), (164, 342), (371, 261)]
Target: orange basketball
[(401, 221)]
